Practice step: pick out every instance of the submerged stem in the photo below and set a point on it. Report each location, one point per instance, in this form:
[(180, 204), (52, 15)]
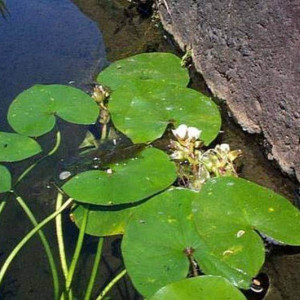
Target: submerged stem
[(94, 270), (111, 284), (45, 244), (2, 204), (77, 250), (60, 238), (29, 235), (51, 152)]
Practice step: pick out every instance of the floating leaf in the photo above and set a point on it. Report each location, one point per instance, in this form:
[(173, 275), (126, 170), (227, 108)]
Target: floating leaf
[(143, 110), (5, 179), (14, 147), (231, 209), (158, 238), (103, 221), (202, 287), (163, 67), (132, 180), (33, 112)]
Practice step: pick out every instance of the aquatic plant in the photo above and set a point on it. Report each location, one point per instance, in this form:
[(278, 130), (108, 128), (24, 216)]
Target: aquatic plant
[(183, 214)]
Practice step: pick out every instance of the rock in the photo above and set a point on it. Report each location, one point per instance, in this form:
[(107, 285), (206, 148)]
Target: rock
[(248, 53)]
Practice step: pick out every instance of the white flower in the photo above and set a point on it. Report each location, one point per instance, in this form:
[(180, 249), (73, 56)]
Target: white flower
[(181, 131), (193, 133)]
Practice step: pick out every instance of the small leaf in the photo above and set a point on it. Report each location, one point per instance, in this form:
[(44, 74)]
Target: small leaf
[(103, 221), (33, 112), (158, 238), (5, 179), (229, 210), (202, 287), (163, 67), (14, 147), (135, 179), (143, 110)]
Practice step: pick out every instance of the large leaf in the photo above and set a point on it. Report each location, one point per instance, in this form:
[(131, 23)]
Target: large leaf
[(158, 238), (5, 179), (33, 112), (103, 221), (143, 110), (230, 210), (14, 147), (163, 67), (131, 180), (202, 287)]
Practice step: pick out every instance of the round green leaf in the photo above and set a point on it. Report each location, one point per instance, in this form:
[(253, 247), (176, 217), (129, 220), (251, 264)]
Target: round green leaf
[(5, 179), (129, 181), (163, 67), (14, 147), (228, 212), (33, 112), (143, 110), (157, 239), (103, 220), (202, 287)]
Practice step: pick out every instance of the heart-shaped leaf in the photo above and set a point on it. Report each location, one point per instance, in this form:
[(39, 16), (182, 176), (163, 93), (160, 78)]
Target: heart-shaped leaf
[(14, 147), (33, 112), (163, 67), (201, 287), (103, 220), (161, 240), (135, 179), (143, 110), (5, 179), (228, 212)]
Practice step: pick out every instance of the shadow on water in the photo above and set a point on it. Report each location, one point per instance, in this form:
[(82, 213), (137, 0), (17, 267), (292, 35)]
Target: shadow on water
[(58, 41)]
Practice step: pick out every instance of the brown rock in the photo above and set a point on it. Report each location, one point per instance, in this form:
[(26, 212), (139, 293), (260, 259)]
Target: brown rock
[(249, 54)]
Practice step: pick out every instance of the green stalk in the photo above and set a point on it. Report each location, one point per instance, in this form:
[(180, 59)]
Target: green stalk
[(29, 235), (45, 244), (111, 284), (94, 270), (51, 152), (60, 239), (2, 204), (77, 251)]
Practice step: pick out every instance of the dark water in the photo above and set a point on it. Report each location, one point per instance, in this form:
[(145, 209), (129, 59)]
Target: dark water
[(58, 41), (46, 41)]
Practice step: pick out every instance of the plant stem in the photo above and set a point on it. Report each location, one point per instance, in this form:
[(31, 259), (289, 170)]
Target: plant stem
[(29, 235), (45, 244), (94, 270), (77, 250), (2, 204), (51, 152), (60, 239), (111, 284)]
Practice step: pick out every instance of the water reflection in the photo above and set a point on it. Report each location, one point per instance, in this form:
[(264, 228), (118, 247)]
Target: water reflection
[(46, 41)]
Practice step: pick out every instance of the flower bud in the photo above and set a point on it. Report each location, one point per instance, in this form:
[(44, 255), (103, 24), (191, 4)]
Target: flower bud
[(224, 148)]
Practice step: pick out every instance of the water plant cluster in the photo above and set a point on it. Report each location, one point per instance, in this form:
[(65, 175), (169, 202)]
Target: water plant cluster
[(191, 227)]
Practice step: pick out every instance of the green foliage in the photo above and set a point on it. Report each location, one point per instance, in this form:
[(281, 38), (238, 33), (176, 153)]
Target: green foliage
[(158, 238), (143, 110), (203, 287), (127, 181), (33, 112), (170, 233), (145, 67), (5, 179), (231, 210), (15, 147), (103, 220)]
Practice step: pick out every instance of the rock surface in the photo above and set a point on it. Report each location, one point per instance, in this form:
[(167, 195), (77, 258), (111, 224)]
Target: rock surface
[(248, 53)]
